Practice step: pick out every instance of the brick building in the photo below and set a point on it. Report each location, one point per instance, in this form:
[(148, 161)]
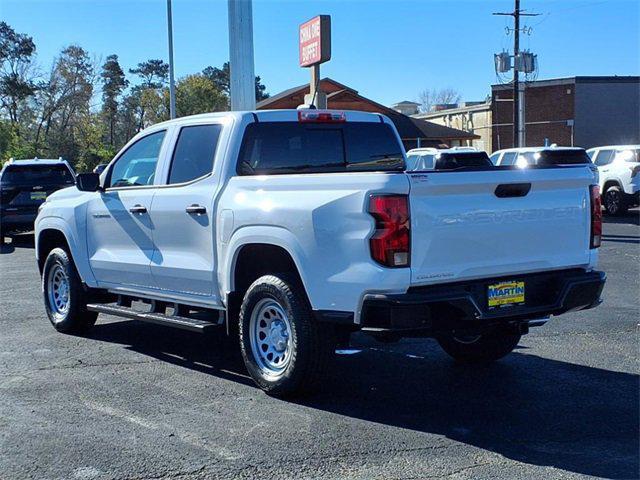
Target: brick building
[(413, 131), (581, 111)]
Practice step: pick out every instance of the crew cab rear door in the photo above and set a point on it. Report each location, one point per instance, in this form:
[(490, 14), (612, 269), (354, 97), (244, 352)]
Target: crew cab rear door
[(183, 214), (497, 222)]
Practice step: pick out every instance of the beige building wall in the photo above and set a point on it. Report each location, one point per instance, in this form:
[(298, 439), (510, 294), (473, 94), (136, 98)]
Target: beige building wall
[(475, 119)]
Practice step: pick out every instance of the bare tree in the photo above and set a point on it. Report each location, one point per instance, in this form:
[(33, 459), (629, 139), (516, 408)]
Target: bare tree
[(430, 97)]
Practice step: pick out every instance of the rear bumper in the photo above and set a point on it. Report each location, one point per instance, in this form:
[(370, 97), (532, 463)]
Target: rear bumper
[(462, 306), (17, 220)]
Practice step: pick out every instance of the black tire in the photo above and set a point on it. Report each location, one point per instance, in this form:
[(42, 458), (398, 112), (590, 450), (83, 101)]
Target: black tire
[(310, 345), (75, 318), (485, 348), (615, 202)]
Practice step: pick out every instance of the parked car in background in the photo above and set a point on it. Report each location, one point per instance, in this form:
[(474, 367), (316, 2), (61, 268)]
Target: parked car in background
[(524, 157), (619, 169), (24, 185), (293, 228), (100, 168), (425, 159)]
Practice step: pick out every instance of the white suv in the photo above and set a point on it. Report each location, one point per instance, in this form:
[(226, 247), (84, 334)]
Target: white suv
[(618, 166)]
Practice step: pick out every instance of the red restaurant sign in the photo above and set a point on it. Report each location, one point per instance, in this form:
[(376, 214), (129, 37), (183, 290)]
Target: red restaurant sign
[(315, 41)]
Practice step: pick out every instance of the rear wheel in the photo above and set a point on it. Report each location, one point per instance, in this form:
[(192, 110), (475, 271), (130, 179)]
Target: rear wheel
[(65, 299), (483, 348), (285, 350), (614, 201)]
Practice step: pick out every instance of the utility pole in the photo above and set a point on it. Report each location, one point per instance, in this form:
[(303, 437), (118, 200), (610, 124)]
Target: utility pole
[(518, 89), (242, 81), (172, 86)]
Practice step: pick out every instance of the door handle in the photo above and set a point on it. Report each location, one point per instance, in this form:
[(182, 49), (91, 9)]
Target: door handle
[(196, 209), (140, 209)]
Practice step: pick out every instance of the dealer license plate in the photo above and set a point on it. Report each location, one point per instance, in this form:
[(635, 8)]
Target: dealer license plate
[(505, 293), (38, 195)]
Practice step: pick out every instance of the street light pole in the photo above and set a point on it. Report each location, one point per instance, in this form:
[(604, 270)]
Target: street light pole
[(242, 81), (172, 86)]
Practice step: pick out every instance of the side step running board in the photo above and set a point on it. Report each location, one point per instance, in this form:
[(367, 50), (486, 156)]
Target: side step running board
[(185, 323)]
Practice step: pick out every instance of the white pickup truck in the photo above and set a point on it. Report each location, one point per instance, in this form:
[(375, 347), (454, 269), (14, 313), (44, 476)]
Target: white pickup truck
[(294, 228)]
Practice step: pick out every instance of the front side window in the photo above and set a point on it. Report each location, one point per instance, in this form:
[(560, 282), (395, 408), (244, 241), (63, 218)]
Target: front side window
[(494, 158), (294, 147), (194, 153), (137, 165)]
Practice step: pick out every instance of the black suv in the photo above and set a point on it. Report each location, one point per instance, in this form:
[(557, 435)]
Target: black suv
[(24, 185)]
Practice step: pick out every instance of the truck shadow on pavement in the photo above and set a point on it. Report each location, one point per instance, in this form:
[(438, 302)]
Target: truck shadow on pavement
[(527, 408), (630, 218)]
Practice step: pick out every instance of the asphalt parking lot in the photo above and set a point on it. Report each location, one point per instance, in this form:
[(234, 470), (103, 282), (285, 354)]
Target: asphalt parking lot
[(139, 401)]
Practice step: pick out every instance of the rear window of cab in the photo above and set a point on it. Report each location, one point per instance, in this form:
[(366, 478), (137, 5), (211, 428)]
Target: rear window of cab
[(271, 148)]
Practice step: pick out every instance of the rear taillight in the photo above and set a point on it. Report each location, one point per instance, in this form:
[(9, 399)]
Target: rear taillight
[(391, 240), (596, 217), (321, 116)]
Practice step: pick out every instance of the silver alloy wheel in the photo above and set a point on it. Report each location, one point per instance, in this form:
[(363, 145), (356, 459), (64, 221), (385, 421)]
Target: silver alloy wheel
[(270, 336), (58, 290)]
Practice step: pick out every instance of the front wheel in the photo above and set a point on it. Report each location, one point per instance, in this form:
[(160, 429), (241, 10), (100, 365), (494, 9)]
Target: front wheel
[(64, 295), (285, 350), (483, 348), (614, 201)]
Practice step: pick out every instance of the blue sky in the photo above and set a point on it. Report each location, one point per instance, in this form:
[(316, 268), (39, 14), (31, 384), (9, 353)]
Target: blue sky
[(388, 50)]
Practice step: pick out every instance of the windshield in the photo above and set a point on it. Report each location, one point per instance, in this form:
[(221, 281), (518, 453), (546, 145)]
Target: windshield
[(419, 162), (36, 175)]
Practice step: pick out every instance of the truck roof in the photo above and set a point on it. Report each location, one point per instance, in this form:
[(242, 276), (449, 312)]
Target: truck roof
[(38, 161), (283, 115), (538, 149)]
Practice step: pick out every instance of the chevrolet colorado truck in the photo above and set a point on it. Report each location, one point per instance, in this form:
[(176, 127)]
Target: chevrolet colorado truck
[(291, 229)]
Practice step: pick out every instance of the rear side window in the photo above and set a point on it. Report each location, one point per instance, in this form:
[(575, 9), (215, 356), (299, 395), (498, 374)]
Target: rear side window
[(604, 157), (194, 152), (628, 155), (293, 147), (36, 175), (494, 158)]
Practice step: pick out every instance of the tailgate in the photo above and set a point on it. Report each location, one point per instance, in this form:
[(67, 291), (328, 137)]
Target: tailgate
[(461, 229)]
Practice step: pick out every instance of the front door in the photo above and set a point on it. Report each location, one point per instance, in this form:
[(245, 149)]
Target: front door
[(119, 227), (120, 237)]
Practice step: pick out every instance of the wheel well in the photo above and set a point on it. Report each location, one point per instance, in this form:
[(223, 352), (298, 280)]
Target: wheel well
[(47, 241), (608, 184), (252, 262), (256, 260)]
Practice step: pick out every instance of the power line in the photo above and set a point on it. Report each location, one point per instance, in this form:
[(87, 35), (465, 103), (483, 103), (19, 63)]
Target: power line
[(516, 14)]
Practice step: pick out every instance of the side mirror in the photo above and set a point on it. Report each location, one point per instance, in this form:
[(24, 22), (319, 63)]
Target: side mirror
[(88, 182)]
